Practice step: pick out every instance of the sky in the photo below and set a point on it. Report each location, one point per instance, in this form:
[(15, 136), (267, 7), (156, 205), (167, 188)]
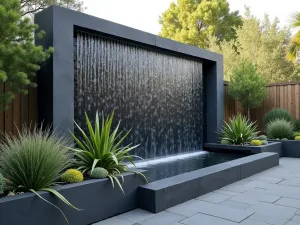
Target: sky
[(144, 14)]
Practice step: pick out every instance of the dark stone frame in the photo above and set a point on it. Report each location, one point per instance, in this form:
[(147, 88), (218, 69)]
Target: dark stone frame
[(56, 77)]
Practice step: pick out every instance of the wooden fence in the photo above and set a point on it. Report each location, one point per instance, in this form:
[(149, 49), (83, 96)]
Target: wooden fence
[(23, 110), (280, 95)]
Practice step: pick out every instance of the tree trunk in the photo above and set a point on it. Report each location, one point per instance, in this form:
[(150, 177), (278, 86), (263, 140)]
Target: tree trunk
[(248, 112)]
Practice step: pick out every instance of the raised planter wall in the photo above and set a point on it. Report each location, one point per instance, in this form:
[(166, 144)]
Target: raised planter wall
[(160, 195), (290, 148), (97, 199), (275, 147)]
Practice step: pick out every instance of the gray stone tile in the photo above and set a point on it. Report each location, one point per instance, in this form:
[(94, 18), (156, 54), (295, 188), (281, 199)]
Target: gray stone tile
[(214, 197), (188, 208), (275, 211), (225, 192), (268, 219), (236, 188), (114, 221), (296, 219), (294, 203), (223, 211), (259, 177), (136, 215), (291, 223), (163, 218), (236, 205), (206, 220), (252, 222), (291, 182)]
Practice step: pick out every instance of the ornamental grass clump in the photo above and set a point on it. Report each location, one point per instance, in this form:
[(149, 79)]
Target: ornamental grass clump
[(2, 182), (238, 131), (33, 160), (279, 129), (101, 147), (275, 114)]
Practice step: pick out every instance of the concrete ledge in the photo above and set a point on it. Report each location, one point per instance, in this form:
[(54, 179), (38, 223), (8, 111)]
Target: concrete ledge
[(97, 199), (160, 195), (275, 147), (290, 148)]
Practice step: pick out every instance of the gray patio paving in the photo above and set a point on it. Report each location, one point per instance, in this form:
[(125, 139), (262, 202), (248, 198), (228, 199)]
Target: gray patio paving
[(270, 197)]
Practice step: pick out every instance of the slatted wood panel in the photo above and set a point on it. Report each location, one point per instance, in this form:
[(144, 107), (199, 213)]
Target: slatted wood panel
[(23, 110), (281, 95)]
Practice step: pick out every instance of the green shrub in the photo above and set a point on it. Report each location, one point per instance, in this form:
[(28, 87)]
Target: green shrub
[(262, 138), (296, 134), (33, 161), (2, 182), (276, 114), (225, 142), (72, 176), (279, 128), (297, 125), (238, 131), (99, 173), (297, 138), (264, 142), (101, 147), (256, 142)]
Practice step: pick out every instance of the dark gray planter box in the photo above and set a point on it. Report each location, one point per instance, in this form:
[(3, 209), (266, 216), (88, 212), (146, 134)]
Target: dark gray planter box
[(160, 195), (290, 148), (271, 147), (97, 198)]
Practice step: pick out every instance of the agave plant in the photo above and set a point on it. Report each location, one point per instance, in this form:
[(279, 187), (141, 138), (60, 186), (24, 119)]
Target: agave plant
[(33, 161), (101, 147), (238, 131)]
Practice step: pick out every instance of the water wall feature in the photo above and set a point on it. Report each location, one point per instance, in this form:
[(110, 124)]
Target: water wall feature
[(157, 94)]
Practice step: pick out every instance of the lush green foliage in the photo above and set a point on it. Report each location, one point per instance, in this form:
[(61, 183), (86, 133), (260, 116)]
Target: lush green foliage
[(276, 114), (192, 22), (2, 183), (294, 45), (297, 125), (247, 86), (238, 131), (262, 137), (296, 134), (72, 176), (33, 161), (262, 42), (256, 142), (101, 147), (225, 142), (19, 56), (99, 173), (264, 142), (279, 128), (297, 138), (31, 7)]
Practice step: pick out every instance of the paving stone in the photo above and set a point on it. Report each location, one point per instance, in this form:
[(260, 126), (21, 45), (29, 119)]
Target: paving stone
[(214, 198), (223, 211), (292, 223), (273, 180), (283, 190), (206, 220), (268, 219), (163, 218), (225, 192), (291, 182), (114, 221), (136, 215), (188, 208), (296, 219), (252, 222), (236, 205), (294, 203), (275, 211), (236, 188)]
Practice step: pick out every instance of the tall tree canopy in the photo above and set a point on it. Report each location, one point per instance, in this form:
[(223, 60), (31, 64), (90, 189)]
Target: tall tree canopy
[(262, 43), (193, 21), (19, 56), (30, 7)]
